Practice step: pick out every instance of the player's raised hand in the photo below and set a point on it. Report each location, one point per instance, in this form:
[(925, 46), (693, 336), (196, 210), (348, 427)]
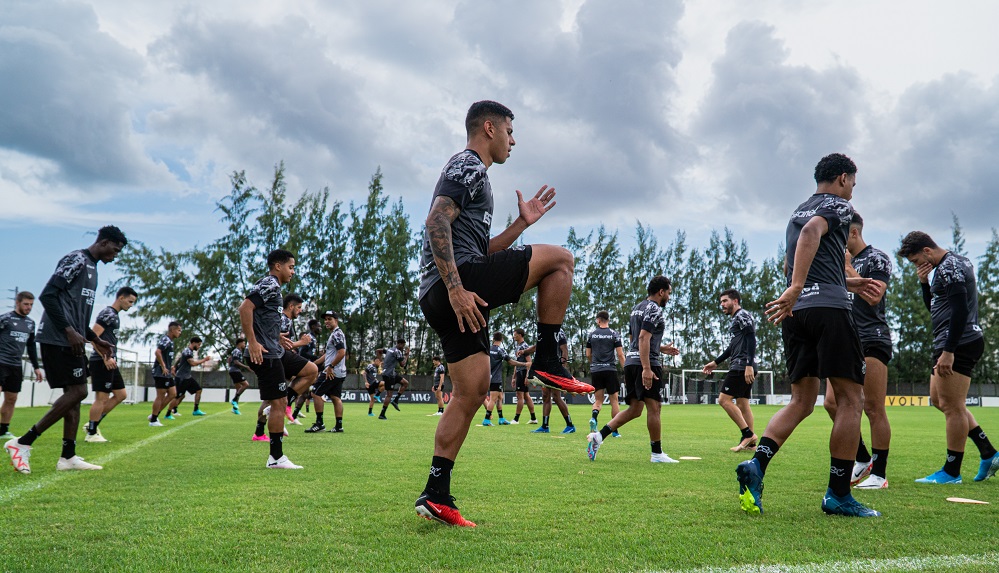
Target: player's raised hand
[(541, 203)]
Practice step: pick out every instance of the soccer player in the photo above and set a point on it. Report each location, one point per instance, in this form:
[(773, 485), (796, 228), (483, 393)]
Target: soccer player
[(394, 358), (236, 367), (330, 381), (466, 274), (741, 354), (549, 395), (260, 316), (603, 345), (17, 332), (520, 378), (374, 386), (865, 261), (438, 387), (958, 344), (105, 378), (186, 384), (68, 300), (310, 353), (820, 340), (291, 341), (643, 371), (163, 374), (497, 356)]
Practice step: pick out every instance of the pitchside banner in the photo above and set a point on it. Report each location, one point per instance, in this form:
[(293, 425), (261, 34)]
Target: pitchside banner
[(429, 398), (925, 401)]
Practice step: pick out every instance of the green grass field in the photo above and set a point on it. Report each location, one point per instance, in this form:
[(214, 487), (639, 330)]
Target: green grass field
[(195, 496)]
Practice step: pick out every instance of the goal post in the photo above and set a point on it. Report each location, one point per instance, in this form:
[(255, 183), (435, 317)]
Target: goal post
[(694, 387)]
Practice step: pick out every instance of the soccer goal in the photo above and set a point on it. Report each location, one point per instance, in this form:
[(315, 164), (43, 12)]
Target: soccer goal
[(693, 387)]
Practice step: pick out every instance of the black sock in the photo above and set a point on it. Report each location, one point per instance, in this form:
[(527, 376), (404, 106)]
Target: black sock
[(594, 414), (568, 420), (91, 428), (499, 412), (977, 435), (296, 411), (880, 458), (532, 416), (29, 437), (369, 409), (439, 482), (863, 456), (546, 349), (765, 452), (953, 464), (260, 429), (516, 417), (489, 415), (747, 433), (384, 408), (319, 418), (339, 422), (544, 421), (396, 399), (606, 431), (68, 448), (277, 449), (840, 472), (4, 428), (238, 394), (657, 447), (154, 417), (440, 410)]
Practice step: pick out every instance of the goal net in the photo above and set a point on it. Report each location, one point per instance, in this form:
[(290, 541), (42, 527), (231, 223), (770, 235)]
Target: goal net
[(694, 387)]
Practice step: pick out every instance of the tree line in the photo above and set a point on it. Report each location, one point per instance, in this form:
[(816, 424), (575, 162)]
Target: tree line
[(361, 260)]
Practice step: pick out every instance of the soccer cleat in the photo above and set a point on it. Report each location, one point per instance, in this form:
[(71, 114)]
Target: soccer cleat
[(382, 417), (282, 464), (487, 422), (370, 414), (75, 463), (235, 404), (750, 486), (846, 506), (336, 430), (438, 413), (316, 428), (940, 476), (395, 404), (378, 399), (552, 374), (169, 417), (593, 442), (156, 423), (988, 468), (287, 413), (873, 482), (541, 430), (533, 421), (19, 455), (514, 422), (747, 444), (860, 471), (198, 412), (235, 410), (503, 422), (175, 413), (569, 430), (441, 511), (593, 425), (615, 434), (662, 459), (95, 439), (8, 436), (294, 422), (284, 431), (257, 438)]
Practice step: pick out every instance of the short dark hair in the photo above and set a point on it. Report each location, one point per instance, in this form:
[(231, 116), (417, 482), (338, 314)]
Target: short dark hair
[(172, 324), (400, 341), (126, 291), (498, 336), (832, 166), (658, 283), (603, 315), (313, 322), (290, 299), (278, 256), (24, 295), (113, 234), (519, 331), (196, 339), (483, 110), (436, 357), (732, 294), (857, 221), (914, 242), (240, 339)]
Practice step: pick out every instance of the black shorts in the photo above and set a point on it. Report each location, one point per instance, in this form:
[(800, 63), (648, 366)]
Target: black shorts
[(735, 385), (521, 377), (606, 380), (438, 385), (273, 374), (104, 380), (634, 389), (372, 388), (498, 279), (62, 367), (11, 378), (189, 385), (163, 382), (332, 387), (966, 356), (822, 342), (237, 377), (878, 350), (391, 380)]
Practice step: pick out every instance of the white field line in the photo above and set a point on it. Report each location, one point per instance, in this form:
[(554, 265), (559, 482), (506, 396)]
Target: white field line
[(987, 562), (35, 484)]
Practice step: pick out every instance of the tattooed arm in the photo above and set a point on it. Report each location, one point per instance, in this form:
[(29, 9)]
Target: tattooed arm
[(465, 304)]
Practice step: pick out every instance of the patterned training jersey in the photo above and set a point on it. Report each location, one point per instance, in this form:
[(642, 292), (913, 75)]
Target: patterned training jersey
[(464, 180), (109, 320), (647, 316), (825, 285), (16, 332), (165, 346), (337, 341), (393, 357), (371, 374), (267, 313), (184, 365), (955, 273), (438, 373), (235, 356), (741, 351), (872, 326), (75, 279), (521, 357), (497, 356), (603, 344)]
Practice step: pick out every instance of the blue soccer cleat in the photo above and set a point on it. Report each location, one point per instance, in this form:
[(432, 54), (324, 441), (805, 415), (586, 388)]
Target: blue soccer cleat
[(503, 422), (569, 430), (846, 506), (939, 477), (487, 422), (593, 443), (593, 425), (988, 468), (615, 434), (750, 486), (541, 430)]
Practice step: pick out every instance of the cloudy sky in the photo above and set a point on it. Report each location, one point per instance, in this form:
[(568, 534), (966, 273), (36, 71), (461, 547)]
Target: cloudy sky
[(684, 115)]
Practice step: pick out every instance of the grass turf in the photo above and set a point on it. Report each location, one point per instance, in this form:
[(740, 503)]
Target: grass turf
[(200, 499)]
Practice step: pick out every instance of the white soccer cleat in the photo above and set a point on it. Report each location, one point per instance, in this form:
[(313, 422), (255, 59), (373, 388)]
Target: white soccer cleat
[(593, 442), (19, 455), (294, 422), (75, 463), (267, 411), (860, 471), (282, 464), (663, 459), (156, 424), (285, 431), (95, 438), (514, 422), (873, 482)]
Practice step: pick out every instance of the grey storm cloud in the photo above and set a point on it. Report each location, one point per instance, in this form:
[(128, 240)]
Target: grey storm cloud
[(767, 123), (69, 102)]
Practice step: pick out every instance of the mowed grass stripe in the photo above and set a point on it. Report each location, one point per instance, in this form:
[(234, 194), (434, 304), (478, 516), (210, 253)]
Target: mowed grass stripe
[(987, 562)]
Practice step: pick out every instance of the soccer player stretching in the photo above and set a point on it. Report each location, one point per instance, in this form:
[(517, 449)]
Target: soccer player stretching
[(106, 380), (741, 353), (17, 332), (958, 344), (438, 386), (466, 274), (603, 345)]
